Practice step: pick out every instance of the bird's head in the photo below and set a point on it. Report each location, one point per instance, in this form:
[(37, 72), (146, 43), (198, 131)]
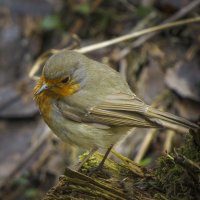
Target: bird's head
[(63, 74)]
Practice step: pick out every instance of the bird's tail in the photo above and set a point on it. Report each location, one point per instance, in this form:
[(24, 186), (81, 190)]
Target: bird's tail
[(170, 121)]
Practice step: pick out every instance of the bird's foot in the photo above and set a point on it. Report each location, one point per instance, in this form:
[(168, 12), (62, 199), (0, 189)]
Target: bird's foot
[(99, 171), (99, 168), (94, 170)]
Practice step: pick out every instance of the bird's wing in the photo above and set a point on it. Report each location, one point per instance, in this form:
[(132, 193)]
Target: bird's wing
[(120, 110), (125, 110), (129, 110)]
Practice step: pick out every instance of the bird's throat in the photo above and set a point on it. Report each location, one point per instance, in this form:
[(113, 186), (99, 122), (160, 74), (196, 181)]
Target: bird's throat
[(45, 99)]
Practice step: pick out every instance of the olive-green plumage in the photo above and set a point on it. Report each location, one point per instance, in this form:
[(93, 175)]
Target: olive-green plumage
[(98, 107)]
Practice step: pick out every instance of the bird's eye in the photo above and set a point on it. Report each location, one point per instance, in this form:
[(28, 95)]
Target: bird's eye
[(65, 80)]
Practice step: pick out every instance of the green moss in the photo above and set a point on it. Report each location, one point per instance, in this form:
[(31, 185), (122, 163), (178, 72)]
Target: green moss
[(94, 161), (178, 175)]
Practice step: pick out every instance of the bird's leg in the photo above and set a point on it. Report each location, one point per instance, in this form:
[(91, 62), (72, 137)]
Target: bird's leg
[(80, 164), (99, 167), (105, 157)]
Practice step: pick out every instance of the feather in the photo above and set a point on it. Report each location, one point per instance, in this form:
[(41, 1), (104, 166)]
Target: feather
[(128, 110)]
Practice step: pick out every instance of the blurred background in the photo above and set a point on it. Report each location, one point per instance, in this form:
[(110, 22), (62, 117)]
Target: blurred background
[(163, 70)]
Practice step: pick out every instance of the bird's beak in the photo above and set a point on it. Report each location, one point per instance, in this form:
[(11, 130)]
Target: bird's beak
[(42, 89)]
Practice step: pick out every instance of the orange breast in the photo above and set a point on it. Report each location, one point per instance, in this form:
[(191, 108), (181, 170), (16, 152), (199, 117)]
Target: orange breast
[(44, 103), (43, 100)]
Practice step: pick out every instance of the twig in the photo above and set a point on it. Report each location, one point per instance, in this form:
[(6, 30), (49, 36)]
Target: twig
[(183, 11), (107, 43), (39, 62), (174, 17), (145, 144), (123, 68), (152, 133), (139, 26), (164, 95), (137, 34), (186, 162), (130, 164), (168, 141)]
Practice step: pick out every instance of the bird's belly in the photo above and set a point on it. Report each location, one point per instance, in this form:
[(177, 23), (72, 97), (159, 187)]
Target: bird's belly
[(85, 135)]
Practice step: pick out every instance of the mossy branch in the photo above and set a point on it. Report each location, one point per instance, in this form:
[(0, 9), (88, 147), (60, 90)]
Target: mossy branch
[(175, 177)]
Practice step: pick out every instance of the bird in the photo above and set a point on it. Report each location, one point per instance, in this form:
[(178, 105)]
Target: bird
[(89, 104)]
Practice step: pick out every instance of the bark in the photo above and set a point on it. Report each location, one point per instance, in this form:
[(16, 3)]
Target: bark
[(176, 176)]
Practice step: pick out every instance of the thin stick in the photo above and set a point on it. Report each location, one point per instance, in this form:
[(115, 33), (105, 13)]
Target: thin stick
[(183, 11), (130, 164), (39, 62), (145, 145), (78, 166), (107, 43), (168, 141), (174, 17), (137, 34), (152, 133), (123, 68), (105, 157)]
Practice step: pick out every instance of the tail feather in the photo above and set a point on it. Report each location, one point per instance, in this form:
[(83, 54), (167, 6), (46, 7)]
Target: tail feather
[(170, 121)]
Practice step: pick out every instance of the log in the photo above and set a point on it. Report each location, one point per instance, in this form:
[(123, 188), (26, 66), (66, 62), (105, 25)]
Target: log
[(176, 176)]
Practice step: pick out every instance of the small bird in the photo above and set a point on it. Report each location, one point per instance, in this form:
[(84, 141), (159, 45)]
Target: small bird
[(89, 104)]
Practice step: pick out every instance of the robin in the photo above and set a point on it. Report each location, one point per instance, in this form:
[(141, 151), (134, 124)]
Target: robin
[(89, 104)]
